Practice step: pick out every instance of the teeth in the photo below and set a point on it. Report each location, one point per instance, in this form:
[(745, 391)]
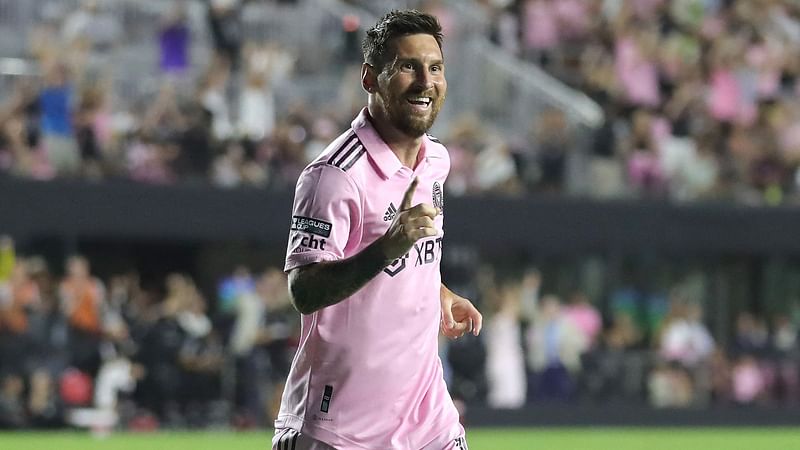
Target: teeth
[(421, 99)]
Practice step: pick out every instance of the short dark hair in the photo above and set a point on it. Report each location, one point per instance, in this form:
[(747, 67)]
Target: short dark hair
[(395, 24)]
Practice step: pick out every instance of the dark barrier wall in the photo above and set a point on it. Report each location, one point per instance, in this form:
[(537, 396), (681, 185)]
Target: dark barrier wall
[(30, 209)]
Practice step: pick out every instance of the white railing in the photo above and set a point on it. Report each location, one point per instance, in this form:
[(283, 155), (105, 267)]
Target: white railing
[(534, 85)]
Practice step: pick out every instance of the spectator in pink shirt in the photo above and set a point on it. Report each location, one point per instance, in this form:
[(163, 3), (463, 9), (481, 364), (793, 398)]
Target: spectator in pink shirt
[(645, 172), (539, 28), (749, 384), (635, 66), (584, 316), (573, 17), (728, 99)]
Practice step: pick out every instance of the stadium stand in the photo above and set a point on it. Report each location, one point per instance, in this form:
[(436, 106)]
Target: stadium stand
[(598, 120)]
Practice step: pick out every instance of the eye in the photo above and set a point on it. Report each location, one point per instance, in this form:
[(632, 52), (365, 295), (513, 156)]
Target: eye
[(407, 66), (436, 68)]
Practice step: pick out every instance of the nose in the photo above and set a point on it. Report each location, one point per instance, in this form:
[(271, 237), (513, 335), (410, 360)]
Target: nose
[(424, 79)]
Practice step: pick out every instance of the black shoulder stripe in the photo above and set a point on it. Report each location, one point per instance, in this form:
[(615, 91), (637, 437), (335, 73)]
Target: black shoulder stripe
[(347, 143), (350, 151), (434, 139), (354, 158)]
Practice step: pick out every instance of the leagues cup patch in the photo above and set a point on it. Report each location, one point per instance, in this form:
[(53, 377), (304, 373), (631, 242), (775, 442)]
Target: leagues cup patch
[(438, 198), (313, 226)]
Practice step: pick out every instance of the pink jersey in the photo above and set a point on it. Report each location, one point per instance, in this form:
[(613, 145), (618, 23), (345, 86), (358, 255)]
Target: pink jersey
[(367, 373)]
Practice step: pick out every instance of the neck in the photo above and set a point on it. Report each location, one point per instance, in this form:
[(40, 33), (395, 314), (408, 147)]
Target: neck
[(406, 148)]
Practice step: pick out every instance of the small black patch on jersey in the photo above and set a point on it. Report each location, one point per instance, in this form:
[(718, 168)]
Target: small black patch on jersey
[(326, 398)]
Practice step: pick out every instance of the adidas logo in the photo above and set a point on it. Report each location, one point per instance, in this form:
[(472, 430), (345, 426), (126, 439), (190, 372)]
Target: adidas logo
[(390, 213)]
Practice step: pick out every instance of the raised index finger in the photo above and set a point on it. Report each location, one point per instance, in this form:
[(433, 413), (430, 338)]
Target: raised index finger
[(409, 195)]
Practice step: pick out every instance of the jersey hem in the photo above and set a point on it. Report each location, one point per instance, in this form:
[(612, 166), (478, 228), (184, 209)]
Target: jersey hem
[(315, 431)]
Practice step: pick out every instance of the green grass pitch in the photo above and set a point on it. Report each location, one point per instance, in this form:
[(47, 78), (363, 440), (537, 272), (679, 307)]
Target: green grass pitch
[(479, 439)]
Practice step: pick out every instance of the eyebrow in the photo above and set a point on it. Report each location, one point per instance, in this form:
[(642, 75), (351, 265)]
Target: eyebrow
[(434, 62)]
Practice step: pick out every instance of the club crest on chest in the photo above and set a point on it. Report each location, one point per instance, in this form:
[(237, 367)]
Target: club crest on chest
[(438, 196)]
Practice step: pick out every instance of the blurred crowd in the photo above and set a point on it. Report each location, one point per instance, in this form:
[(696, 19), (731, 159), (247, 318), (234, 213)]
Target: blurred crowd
[(204, 121), (702, 97), (654, 349), (78, 350), (701, 101), (120, 352)]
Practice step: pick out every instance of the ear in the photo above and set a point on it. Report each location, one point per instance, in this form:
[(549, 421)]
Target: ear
[(369, 78)]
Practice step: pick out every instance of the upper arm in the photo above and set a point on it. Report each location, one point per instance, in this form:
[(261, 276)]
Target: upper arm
[(326, 210)]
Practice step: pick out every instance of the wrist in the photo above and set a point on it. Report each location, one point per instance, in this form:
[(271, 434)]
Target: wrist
[(379, 252)]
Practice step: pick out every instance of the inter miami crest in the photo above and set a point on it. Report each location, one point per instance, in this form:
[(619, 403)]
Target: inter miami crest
[(438, 198)]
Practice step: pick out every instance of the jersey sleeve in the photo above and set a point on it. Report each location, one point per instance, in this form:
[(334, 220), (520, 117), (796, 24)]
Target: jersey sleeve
[(327, 208)]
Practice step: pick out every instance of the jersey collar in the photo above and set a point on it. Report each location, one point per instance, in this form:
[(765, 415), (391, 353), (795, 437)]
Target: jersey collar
[(385, 159)]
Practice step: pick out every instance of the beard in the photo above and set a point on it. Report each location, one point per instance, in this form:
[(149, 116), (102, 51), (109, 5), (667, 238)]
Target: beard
[(403, 117)]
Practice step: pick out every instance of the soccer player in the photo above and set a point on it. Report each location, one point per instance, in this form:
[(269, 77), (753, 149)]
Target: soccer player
[(363, 264)]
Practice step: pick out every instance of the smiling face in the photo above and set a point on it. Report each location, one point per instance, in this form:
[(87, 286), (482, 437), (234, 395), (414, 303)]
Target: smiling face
[(412, 87)]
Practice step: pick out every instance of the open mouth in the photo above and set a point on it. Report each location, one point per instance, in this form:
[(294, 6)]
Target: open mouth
[(420, 102)]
